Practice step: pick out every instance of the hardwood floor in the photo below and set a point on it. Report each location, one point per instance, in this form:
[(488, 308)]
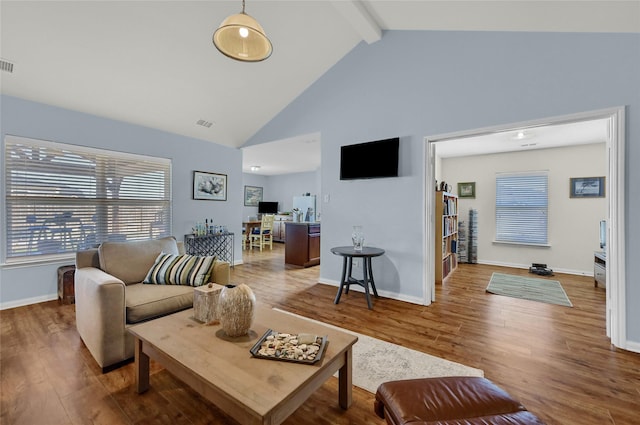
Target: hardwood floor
[(556, 360)]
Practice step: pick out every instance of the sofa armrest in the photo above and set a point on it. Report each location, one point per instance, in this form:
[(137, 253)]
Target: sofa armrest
[(100, 314), (87, 258), (221, 273)]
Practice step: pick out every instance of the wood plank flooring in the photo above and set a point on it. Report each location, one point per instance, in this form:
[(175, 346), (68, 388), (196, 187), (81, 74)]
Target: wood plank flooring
[(556, 360)]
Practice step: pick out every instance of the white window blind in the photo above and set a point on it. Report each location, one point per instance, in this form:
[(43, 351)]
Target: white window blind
[(61, 198), (521, 208)]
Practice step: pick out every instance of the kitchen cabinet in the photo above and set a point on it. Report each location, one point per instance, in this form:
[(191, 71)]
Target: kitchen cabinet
[(279, 228), (302, 244)]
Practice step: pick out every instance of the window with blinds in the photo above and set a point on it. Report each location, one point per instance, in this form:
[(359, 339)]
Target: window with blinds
[(61, 198), (521, 208)]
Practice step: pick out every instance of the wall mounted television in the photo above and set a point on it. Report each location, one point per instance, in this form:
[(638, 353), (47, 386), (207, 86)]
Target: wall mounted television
[(267, 207), (370, 160)]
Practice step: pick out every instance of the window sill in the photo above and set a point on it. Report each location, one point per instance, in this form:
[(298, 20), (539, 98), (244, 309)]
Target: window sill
[(536, 245), (42, 260)]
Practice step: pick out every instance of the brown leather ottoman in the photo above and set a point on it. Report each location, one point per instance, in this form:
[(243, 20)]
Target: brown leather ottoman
[(450, 400)]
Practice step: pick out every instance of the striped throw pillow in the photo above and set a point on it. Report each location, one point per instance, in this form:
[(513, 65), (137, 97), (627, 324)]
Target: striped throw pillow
[(170, 269)]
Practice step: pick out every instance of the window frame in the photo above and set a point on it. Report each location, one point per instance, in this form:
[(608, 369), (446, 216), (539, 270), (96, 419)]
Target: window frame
[(526, 202), (85, 192)]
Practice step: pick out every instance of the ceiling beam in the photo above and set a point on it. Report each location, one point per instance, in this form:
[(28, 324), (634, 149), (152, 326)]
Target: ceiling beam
[(357, 15)]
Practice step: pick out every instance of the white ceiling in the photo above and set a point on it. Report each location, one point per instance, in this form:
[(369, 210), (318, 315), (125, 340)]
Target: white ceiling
[(523, 139), (294, 155), (152, 63)]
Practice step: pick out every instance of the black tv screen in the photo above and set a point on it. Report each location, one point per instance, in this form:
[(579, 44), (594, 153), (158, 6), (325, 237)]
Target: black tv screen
[(370, 160), (267, 207)]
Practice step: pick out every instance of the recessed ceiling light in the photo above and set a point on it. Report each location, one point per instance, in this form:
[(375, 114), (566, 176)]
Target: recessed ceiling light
[(255, 167), (521, 135)]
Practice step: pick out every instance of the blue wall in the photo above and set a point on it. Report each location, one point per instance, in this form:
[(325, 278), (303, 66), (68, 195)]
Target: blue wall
[(414, 84), (34, 120), (410, 84), (282, 188)]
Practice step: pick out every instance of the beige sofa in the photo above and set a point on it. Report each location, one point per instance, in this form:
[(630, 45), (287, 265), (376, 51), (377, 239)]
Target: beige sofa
[(110, 296)]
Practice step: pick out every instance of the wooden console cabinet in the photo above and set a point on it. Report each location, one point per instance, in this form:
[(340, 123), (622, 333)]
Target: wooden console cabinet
[(302, 244)]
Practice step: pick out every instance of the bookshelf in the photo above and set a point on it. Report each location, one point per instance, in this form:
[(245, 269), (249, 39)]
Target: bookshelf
[(446, 240)]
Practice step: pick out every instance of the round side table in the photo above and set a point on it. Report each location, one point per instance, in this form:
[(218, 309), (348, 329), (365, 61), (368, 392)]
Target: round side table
[(348, 254)]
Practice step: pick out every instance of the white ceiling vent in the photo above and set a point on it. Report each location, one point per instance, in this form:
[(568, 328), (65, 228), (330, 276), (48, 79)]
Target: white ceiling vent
[(6, 66), (204, 123)]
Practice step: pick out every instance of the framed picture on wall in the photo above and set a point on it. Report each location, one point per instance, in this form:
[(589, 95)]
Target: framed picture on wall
[(586, 187), (467, 190), (252, 195), (209, 186)]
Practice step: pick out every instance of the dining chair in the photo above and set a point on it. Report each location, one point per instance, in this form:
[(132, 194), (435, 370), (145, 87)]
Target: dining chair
[(244, 239), (260, 237)]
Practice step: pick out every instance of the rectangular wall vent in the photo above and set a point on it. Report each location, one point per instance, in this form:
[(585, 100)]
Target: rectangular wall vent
[(6, 66), (204, 123)]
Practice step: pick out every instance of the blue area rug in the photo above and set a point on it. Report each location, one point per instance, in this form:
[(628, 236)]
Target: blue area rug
[(528, 288)]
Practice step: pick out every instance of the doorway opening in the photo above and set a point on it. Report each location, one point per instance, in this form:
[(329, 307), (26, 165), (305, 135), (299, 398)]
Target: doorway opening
[(615, 270)]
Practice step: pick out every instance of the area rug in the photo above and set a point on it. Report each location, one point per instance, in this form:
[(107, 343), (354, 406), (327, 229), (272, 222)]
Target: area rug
[(376, 361), (528, 288)]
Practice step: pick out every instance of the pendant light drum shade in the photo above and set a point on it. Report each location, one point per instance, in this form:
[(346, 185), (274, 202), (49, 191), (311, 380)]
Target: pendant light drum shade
[(242, 38)]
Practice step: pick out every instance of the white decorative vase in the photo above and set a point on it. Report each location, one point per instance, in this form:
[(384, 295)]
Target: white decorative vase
[(357, 237), (235, 309)]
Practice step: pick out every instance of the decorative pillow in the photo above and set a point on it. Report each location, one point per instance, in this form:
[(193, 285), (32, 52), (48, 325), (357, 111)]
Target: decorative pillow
[(170, 269)]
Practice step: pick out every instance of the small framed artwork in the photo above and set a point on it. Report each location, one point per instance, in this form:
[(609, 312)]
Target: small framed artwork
[(586, 187), (252, 195), (209, 186), (467, 190)]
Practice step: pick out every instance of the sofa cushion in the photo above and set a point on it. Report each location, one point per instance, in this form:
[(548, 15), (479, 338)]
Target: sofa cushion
[(185, 269), (144, 302), (130, 261)]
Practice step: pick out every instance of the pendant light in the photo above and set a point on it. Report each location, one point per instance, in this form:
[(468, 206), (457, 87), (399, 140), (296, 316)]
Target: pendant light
[(241, 37)]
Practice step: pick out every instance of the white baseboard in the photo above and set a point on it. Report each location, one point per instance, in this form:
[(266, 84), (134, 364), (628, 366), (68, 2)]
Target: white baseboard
[(28, 301), (382, 293), (632, 346), (526, 267)]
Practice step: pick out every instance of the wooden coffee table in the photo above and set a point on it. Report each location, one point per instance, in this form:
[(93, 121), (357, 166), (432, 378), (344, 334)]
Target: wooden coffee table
[(222, 370)]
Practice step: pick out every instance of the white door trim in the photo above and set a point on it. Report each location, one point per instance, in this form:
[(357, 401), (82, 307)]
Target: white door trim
[(616, 243)]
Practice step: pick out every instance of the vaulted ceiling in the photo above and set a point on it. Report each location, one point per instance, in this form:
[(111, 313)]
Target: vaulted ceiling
[(152, 63)]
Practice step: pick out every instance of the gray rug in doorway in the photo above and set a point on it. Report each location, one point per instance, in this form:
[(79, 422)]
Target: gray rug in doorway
[(528, 288), (376, 361)]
